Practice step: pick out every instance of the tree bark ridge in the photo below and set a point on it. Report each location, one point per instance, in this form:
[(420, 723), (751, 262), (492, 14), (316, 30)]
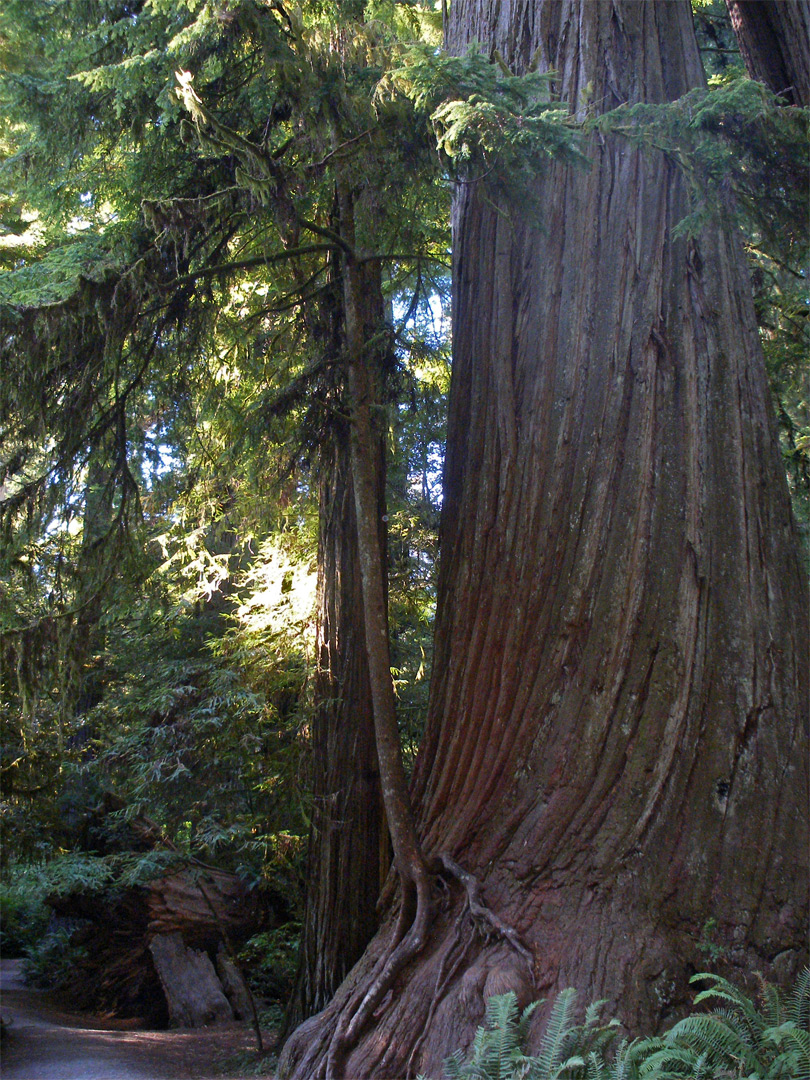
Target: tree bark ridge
[(348, 852)]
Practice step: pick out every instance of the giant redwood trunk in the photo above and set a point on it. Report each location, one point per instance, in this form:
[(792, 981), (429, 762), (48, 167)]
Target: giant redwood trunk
[(617, 736), (348, 844)]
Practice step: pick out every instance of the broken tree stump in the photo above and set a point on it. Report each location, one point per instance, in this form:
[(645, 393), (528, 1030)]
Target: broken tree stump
[(190, 982), (234, 985)]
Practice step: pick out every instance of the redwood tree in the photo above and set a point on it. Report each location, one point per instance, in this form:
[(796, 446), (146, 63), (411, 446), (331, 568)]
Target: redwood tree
[(617, 737)]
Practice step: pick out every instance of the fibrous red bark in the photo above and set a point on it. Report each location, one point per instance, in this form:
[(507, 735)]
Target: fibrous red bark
[(617, 736), (774, 40)]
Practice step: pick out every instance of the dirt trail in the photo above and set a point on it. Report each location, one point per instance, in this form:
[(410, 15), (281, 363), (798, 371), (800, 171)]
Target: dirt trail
[(46, 1042)]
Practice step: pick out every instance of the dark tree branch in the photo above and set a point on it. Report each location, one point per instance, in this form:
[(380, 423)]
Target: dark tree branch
[(248, 264)]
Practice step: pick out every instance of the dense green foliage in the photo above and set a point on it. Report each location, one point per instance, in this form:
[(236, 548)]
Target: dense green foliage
[(182, 404)]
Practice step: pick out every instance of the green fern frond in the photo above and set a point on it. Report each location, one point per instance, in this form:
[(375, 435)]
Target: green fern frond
[(799, 1003), (597, 1037), (483, 1036), (672, 1063), (523, 1022), (453, 1065), (705, 1067), (596, 1068), (715, 1035), (772, 1003), (749, 1030), (794, 1058), (556, 1031), (572, 1068), (507, 1039), (722, 988), (625, 1065), (592, 1012), (496, 1049), (743, 1008)]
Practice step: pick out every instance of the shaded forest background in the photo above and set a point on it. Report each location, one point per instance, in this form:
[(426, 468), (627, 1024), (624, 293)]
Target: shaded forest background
[(174, 418)]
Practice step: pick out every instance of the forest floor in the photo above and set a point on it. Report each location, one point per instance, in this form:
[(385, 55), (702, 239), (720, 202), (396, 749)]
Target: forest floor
[(45, 1041)]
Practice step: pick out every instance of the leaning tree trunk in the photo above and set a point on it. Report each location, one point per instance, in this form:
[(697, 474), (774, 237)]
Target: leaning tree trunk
[(348, 843), (617, 736), (774, 39)]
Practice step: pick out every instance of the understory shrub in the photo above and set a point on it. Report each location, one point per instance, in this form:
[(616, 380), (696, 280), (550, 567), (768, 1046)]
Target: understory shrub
[(23, 914), (269, 961), (50, 961)]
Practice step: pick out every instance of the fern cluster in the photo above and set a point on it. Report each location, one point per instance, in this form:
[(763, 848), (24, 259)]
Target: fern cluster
[(567, 1051), (737, 1040)]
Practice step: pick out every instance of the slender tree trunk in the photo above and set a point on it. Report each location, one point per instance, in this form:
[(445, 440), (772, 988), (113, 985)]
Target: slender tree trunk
[(348, 845), (364, 400), (617, 737), (415, 906), (774, 39), (318, 1049), (80, 687)]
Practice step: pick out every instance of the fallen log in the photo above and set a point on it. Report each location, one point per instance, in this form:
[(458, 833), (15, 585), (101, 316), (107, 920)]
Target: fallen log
[(150, 950), (202, 905)]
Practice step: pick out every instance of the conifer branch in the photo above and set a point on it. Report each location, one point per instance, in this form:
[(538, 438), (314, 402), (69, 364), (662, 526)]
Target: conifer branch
[(248, 264)]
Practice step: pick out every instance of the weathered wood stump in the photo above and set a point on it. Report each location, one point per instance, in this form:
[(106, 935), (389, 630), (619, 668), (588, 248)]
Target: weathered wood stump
[(234, 985), (194, 994)]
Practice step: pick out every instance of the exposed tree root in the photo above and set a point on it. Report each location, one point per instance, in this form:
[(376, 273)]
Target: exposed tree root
[(404, 947), (442, 982), (485, 920), (409, 939)]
